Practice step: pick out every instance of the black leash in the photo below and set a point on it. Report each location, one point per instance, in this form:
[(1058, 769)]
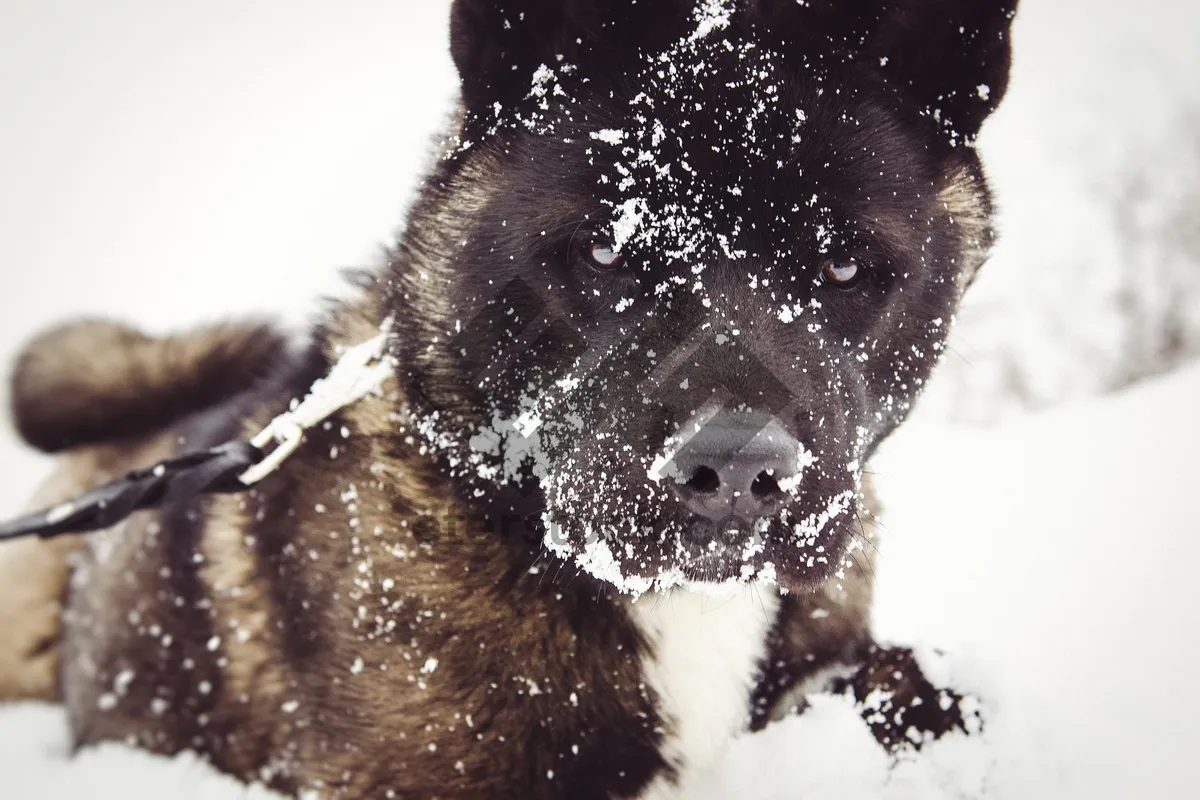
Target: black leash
[(228, 469), (216, 471)]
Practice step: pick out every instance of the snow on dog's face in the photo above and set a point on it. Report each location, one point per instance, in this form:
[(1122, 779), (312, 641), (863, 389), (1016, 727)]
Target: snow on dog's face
[(692, 262)]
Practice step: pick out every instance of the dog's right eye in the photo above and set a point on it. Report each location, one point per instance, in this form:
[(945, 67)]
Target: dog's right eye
[(602, 256), (841, 273)]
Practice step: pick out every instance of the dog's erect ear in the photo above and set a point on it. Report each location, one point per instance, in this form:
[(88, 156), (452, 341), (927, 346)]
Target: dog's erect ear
[(498, 45), (951, 56), (948, 57)]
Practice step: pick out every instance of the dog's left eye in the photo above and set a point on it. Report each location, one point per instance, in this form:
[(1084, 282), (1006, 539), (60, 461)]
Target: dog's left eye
[(842, 273), (603, 257)]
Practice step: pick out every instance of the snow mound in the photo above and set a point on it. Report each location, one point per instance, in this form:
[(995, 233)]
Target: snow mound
[(827, 753), (36, 764)]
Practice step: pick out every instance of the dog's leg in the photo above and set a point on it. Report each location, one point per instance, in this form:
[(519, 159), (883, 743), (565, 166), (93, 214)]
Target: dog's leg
[(832, 652), (904, 709), (817, 643), (822, 643), (33, 584), (33, 581)]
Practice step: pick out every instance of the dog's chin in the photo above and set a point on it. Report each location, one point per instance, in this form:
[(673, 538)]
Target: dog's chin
[(793, 570), (691, 551), (711, 573)]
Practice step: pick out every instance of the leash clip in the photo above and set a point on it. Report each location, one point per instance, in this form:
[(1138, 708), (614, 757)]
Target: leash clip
[(361, 370)]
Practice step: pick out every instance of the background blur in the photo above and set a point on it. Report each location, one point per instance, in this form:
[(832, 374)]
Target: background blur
[(169, 163)]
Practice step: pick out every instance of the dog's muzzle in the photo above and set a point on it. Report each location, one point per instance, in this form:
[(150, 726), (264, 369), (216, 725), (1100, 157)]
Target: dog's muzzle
[(734, 470)]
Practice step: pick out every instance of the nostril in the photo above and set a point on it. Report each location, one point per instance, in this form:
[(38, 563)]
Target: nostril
[(765, 487), (705, 481)]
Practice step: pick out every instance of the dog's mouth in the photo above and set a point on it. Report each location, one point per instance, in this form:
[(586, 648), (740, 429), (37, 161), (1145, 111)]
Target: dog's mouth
[(723, 551), (797, 545), (733, 498)]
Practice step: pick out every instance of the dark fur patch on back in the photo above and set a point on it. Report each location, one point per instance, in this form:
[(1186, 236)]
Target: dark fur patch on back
[(97, 381)]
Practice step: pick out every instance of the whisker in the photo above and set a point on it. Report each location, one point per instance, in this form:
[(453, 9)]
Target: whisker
[(761, 602), (960, 355), (862, 535), (866, 570), (869, 569)]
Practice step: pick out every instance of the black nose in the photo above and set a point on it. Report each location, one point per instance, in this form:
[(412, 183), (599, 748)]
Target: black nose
[(734, 465)]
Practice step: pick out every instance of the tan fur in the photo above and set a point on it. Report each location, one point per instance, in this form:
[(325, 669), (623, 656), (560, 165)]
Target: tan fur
[(33, 578), (34, 573), (253, 677), (965, 198)]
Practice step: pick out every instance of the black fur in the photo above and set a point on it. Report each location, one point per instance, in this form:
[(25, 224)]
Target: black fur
[(793, 134)]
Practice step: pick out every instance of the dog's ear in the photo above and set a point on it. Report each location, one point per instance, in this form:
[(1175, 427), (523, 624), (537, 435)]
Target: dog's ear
[(498, 45), (950, 58)]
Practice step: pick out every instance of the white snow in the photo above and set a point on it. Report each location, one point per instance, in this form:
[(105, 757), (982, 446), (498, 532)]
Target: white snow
[(609, 136), (628, 220), (1050, 555), (35, 764), (711, 15)]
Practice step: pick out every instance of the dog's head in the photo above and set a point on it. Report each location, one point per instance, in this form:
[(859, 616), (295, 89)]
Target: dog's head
[(685, 264)]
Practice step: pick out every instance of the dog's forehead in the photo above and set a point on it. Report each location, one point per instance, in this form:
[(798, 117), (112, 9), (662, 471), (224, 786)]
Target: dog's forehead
[(714, 78), (717, 146), (704, 119)]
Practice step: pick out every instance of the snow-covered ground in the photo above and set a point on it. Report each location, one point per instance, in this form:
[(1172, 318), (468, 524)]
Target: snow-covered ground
[(1053, 559), (169, 163)]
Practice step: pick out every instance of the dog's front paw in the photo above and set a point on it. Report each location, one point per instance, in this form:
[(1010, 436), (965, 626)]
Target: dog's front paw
[(904, 710)]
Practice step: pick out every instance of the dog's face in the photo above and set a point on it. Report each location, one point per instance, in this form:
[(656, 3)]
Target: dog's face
[(687, 264)]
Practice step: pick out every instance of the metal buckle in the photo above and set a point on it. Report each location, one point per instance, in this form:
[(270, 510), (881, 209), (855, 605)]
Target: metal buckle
[(361, 370)]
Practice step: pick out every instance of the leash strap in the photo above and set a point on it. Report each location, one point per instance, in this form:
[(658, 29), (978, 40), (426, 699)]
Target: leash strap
[(231, 468), (213, 471)]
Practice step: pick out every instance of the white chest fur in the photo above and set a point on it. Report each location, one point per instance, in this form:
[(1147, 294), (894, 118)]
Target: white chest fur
[(704, 659)]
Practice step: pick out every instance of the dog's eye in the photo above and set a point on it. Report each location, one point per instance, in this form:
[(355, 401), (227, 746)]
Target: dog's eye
[(842, 273), (603, 257)]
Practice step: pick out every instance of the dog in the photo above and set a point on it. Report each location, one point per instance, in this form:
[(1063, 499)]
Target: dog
[(677, 271)]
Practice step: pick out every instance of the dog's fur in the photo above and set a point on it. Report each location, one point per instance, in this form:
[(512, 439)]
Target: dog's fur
[(435, 597)]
